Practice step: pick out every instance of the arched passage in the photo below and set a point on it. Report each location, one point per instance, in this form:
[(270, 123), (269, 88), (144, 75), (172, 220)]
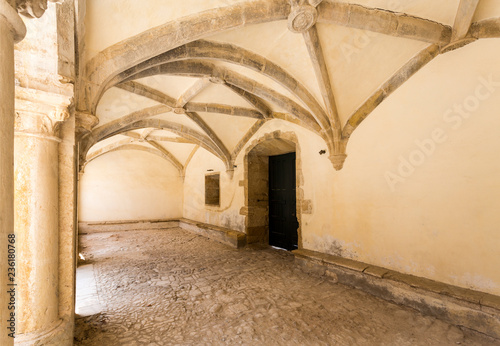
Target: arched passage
[(256, 184)]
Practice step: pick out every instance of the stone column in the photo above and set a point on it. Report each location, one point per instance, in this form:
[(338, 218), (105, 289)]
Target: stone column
[(12, 30), (36, 170)]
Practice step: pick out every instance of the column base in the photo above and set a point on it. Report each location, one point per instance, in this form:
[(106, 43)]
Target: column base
[(59, 334)]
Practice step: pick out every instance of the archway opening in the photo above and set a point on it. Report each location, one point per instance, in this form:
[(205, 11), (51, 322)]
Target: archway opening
[(264, 207)]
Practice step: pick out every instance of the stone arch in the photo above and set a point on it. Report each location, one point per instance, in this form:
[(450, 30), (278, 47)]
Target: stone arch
[(217, 51), (128, 145), (194, 136), (123, 55), (256, 182), (202, 69)]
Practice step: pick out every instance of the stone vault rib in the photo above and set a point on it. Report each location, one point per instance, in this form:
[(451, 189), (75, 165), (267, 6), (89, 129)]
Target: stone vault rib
[(156, 95), (253, 100), (190, 134), (488, 28), (244, 140), (190, 157), (463, 19), (145, 91), (129, 146), (109, 130), (157, 138), (315, 50), (398, 79), (332, 133), (209, 131), (167, 154), (177, 108), (204, 69), (384, 22), (191, 93), (230, 53), (103, 131), (123, 55)]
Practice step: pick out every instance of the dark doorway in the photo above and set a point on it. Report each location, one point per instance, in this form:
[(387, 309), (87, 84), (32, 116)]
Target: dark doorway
[(283, 222)]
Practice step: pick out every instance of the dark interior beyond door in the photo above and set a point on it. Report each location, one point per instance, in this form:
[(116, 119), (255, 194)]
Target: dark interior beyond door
[(282, 202)]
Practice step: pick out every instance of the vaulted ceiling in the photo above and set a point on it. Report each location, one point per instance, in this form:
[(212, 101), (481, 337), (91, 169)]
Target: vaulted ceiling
[(173, 77)]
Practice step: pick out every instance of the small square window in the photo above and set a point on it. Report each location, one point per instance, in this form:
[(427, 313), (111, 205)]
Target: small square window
[(212, 189)]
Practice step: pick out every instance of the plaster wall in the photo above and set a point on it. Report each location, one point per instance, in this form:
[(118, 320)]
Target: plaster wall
[(419, 190), (230, 214), (231, 194), (129, 185)]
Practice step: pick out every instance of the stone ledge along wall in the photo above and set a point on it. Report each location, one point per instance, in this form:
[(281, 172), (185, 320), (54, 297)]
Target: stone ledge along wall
[(355, 214)]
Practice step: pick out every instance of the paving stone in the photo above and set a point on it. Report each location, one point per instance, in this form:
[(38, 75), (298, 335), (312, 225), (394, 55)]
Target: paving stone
[(178, 289)]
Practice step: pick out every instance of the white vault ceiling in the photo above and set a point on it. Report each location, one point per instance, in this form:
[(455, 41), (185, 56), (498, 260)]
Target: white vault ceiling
[(191, 104)]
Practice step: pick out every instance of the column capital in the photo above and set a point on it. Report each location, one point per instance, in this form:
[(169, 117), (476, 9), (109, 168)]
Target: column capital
[(338, 160), (40, 124), (32, 8), (9, 14), (40, 113), (85, 121)]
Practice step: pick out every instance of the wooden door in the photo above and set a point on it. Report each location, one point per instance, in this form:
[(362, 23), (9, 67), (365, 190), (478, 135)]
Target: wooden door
[(282, 202)]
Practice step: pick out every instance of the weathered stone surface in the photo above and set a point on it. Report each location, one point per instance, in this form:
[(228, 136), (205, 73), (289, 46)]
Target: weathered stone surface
[(450, 303), (32, 8), (125, 225), (463, 19), (119, 57), (220, 234), (173, 287), (302, 18), (12, 29), (385, 22), (36, 217), (256, 182), (488, 28), (376, 271)]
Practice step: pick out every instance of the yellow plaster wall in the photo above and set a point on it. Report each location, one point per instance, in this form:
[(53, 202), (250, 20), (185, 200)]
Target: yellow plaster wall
[(419, 192), (129, 185), (231, 195)]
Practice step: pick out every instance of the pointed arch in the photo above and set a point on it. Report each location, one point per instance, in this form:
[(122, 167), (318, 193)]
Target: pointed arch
[(123, 55), (185, 132), (128, 145), (203, 69), (209, 50), (396, 80)]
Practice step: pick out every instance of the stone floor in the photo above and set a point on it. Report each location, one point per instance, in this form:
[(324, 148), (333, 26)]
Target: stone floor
[(173, 287)]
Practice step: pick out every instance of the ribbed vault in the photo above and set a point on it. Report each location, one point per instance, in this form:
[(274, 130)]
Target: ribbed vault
[(194, 54)]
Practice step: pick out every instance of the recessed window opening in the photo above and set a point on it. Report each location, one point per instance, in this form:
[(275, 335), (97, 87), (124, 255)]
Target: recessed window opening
[(212, 189)]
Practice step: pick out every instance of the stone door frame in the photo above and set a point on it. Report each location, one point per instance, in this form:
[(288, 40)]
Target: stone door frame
[(257, 155)]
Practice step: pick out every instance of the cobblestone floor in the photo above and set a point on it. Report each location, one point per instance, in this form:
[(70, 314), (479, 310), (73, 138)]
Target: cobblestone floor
[(173, 287)]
